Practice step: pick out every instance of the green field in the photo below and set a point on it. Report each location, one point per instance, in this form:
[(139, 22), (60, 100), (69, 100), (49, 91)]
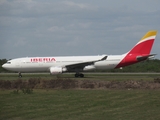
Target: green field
[(90, 76), (80, 104)]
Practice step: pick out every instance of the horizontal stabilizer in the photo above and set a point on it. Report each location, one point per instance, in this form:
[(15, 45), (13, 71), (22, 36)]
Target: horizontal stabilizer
[(140, 58)]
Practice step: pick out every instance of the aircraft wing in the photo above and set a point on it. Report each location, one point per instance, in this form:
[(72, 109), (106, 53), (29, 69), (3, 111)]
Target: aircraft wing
[(81, 65), (140, 58)]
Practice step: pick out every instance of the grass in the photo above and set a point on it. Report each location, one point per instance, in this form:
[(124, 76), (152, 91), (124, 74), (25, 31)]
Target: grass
[(97, 76), (74, 104), (81, 104)]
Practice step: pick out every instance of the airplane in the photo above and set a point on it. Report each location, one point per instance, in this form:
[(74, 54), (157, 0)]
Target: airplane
[(79, 64)]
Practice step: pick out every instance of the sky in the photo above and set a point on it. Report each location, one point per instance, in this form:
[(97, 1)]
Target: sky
[(75, 27)]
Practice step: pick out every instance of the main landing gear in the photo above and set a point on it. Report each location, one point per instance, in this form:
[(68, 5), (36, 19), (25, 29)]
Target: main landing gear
[(79, 75), (19, 75)]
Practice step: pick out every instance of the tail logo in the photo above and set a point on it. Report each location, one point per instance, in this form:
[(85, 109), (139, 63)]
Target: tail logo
[(141, 50)]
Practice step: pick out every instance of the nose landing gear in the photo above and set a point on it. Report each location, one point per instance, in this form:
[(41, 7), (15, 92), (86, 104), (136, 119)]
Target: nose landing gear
[(19, 75)]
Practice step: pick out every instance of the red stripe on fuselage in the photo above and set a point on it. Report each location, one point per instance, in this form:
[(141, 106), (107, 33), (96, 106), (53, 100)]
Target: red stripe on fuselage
[(141, 49)]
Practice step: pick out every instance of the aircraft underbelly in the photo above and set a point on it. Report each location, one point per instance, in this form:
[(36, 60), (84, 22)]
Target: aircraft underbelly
[(33, 68), (106, 64)]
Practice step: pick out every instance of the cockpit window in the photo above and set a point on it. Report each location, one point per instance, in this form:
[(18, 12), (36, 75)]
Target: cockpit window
[(8, 62)]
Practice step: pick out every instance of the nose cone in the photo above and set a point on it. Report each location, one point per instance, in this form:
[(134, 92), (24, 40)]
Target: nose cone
[(9, 66), (4, 66)]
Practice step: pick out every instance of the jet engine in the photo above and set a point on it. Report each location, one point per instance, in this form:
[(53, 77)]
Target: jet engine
[(89, 67), (57, 70)]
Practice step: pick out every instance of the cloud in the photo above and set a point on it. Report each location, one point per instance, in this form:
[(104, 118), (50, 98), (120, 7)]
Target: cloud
[(73, 27), (76, 5)]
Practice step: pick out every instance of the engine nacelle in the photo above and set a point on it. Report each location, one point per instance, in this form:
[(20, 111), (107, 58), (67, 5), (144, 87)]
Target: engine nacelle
[(89, 67), (57, 70)]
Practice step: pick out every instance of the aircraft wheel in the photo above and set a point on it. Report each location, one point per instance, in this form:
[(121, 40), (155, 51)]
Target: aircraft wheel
[(76, 75), (81, 75)]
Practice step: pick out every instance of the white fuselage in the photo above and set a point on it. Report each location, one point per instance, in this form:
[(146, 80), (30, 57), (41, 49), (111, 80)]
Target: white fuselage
[(42, 64)]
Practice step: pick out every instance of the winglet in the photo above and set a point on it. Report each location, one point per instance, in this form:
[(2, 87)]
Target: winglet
[(104, 58)]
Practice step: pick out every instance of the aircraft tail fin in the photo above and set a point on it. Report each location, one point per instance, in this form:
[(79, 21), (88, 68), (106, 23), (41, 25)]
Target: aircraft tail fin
[(144, 46), (141, 51)]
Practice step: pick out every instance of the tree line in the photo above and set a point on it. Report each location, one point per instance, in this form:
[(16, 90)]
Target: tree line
[(145, 66)]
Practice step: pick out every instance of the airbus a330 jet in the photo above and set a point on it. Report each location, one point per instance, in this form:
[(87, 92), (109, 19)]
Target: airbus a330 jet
[(78, 64)]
